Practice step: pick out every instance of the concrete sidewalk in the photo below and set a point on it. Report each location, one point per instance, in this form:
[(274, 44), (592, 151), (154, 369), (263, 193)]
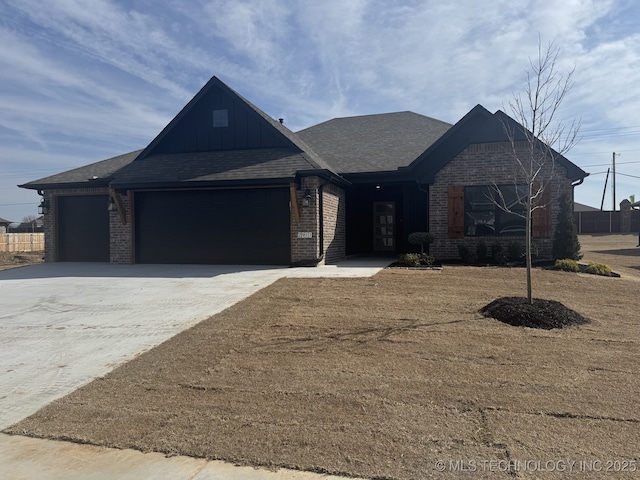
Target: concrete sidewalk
[(62, 325)]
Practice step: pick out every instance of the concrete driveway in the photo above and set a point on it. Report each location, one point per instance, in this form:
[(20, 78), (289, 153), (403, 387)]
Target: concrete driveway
[(62, 325)]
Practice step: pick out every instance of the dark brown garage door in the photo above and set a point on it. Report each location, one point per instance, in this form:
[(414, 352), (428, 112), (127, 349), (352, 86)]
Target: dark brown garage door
[(83, 228), (213, 226)]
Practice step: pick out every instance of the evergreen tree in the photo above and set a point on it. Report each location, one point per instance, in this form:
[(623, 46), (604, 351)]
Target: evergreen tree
[(565, 238)]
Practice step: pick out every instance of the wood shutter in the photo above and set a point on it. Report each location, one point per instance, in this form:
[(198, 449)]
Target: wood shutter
[(542, 216), (456, 211)]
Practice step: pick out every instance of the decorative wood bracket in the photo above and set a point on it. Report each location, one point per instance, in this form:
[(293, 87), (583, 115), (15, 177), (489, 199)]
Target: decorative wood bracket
[(294, 202), (119, 207)]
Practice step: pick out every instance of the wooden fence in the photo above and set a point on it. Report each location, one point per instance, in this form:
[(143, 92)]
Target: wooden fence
[(606, 222), (21, 242)]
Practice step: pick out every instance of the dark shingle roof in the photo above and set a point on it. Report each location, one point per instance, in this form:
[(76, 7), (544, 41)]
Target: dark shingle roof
[(4, 222), (211, 167), (94, 174), (373, 143)]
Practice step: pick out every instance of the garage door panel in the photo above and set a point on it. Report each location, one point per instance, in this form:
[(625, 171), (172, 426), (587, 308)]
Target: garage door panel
[(83, 228), (213, 226)]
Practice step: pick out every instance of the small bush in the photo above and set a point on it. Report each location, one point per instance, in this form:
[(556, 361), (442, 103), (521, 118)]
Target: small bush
[(599, 269), (565, 237), (465, 254), (481, 251), (566, 265), (416, 260), (534, 251), (427, 260), (500, 258), (497, 254), (514, 250), (409, 260)]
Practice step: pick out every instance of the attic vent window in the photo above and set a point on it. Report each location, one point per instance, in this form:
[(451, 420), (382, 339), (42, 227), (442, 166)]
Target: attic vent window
[(220, 118)]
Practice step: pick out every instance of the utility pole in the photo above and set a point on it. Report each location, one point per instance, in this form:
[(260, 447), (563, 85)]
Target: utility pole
[(614, 181)]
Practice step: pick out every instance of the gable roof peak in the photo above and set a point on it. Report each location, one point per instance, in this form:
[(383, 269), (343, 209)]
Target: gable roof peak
[(189, 131)]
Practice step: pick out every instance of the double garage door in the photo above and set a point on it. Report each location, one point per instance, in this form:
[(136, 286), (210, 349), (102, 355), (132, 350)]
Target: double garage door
[(249, 226)]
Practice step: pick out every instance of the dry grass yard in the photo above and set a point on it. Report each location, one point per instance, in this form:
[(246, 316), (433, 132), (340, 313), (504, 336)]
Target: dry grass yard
[(19, 259), (383, 377)]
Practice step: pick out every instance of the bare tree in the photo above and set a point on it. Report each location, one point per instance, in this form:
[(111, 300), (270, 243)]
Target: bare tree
[(538, 140)]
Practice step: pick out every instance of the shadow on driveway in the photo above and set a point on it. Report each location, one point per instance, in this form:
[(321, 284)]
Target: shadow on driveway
[(107, 270)]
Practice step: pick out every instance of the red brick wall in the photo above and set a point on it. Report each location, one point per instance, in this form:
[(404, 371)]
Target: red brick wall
[(120, 233), (334, 223), (305, 249), (333, 201), (485, 164)]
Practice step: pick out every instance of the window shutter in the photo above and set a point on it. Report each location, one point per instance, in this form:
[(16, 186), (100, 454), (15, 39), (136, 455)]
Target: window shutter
[(456, 211), (542, 216)]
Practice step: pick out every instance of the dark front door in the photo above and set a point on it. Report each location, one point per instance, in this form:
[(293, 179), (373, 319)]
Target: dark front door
[(384, 226), (83, 228)]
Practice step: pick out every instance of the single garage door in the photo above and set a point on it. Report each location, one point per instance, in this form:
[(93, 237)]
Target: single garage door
[(244, 227), (83, 228)]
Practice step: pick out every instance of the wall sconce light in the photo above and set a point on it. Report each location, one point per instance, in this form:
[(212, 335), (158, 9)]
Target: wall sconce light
[(43, 208), (111, 206), (306, 200)]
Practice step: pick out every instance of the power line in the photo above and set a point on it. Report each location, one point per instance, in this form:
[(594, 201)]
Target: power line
[(607, 164), (627, 175)]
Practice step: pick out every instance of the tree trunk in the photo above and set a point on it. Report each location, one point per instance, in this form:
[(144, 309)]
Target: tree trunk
[(527, 248)]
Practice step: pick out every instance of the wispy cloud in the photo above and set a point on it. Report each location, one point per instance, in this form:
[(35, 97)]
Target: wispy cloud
[(82, 78)]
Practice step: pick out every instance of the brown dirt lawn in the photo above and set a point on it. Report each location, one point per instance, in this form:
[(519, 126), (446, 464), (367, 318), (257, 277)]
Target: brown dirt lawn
[(19, 259), (381, 378)]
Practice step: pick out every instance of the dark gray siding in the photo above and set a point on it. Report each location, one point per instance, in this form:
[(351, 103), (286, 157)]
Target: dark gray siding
[(194, 132)]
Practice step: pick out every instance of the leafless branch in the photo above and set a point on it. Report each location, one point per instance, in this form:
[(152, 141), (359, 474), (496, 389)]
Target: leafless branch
[(539, 139)]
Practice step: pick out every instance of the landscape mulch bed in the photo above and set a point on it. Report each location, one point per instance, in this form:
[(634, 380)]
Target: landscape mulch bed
[(539, 313), (380, 378)]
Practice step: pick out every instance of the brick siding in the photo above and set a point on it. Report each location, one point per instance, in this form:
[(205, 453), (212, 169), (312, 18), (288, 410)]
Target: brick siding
[(120, 234), (486, 164), (333, 200), (334, 223)]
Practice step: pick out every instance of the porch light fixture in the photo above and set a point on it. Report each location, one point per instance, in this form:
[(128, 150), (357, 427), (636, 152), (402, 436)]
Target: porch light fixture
[(43, 208), (306, 200), (111, 206)]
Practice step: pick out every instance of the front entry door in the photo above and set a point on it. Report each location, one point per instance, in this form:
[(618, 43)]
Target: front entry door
[(384, 226)]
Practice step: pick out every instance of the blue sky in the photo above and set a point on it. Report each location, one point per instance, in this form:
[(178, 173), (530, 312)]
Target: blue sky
[(85, 80)]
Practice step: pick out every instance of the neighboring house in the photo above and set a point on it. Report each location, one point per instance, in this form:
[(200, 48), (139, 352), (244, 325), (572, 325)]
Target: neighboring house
[(3, 225), (247, 190), (33, 226)]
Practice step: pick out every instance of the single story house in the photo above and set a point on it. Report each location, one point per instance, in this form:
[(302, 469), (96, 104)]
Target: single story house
[(32, 226), (3, 225), (225, 183)]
